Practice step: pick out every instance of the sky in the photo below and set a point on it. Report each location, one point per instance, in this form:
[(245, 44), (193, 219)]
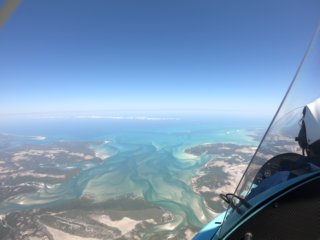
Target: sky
[(152, 55)]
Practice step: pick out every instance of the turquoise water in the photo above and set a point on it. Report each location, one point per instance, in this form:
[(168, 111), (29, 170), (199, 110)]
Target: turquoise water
[(147, 160)]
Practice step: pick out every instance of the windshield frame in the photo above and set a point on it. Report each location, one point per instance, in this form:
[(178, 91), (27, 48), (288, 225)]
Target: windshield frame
[(288, 113)]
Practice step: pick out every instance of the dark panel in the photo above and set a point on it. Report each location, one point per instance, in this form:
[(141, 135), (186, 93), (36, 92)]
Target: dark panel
[(294, 216)]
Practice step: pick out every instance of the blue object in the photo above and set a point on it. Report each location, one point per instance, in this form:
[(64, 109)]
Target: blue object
[(269, 182), (211, 228)]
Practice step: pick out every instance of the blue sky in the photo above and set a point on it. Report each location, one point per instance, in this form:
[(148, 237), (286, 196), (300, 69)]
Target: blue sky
[(152, 55)]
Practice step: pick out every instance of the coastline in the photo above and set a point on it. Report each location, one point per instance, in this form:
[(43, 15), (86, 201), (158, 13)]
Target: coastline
[(221, 173)]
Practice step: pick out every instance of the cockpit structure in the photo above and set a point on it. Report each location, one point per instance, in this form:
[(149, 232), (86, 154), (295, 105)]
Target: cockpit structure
[(278, 196)]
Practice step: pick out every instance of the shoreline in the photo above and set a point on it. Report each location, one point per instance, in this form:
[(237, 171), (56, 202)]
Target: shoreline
[(221, 173)]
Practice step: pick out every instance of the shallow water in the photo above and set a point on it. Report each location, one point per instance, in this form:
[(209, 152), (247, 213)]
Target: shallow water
[(146, 159)]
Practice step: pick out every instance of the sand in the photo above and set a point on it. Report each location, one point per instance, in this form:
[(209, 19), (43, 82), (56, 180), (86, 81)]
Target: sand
[(59, 235), (50, 154), (124, 225)]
